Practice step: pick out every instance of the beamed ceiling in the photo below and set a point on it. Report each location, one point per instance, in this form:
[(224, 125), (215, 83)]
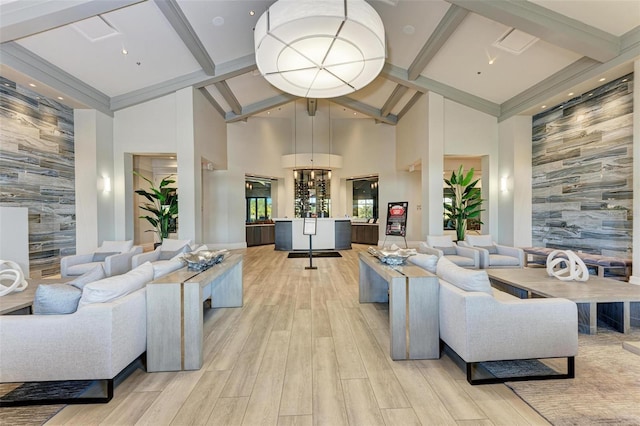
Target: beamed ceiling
[(74, 50)]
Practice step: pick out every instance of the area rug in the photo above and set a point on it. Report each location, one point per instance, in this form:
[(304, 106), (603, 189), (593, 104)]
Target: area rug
[(606, 389), (305, 254)]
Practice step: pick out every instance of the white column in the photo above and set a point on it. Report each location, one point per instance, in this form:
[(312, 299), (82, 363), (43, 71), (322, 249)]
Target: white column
[(635, 276), (433, 167)]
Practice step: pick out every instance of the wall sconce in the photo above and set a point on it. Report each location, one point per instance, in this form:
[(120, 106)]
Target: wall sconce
[(104, 184), (504, 184)]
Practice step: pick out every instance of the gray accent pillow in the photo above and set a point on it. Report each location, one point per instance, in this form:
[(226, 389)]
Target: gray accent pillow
[(447, 250), (101, 256), (56, 299), (168, 255), (95, 274), (491, 249)]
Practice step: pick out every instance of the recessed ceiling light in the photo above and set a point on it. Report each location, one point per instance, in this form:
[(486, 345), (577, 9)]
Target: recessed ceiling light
[(625, 80), (590, 94), (7, 84), (570, 94), (602, 79), (355, 113), (218, 21), (61, 98), (543, 106), (491, 61), (268, 112), (252, 12), (124, 51), (409, 29), (32, 85)]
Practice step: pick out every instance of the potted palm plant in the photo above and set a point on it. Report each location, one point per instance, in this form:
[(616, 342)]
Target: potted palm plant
[(162, 205), (466, 201)]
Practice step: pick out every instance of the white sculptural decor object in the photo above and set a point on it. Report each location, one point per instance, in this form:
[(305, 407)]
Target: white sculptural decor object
[(574, 270), (11, 272)]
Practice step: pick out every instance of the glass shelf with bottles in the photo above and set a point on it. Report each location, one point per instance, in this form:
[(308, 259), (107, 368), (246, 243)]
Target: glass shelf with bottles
[(312, 192)]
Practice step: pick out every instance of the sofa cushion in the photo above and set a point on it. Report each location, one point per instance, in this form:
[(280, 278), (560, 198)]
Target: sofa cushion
[(462, 260), (440, 241), (172, 245), (56, 299), (447, 251), (111, 288), (492, 249), (502, 260), (479, 240), (465, 279), (167, 255), (164, 267), (100, 256), (94, 274), (82, 268), (427, 262), (115, 246)]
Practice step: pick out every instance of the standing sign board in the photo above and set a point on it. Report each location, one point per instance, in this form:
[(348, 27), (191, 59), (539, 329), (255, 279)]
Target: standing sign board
[(309, 228), (397, 219)]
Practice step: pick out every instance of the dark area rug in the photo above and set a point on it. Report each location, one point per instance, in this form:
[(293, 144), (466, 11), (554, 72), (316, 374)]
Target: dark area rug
[(305, 254), (37, 414)]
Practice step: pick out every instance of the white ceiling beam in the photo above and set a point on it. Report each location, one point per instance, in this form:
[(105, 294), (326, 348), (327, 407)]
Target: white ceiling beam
[(393, 100), (259, 107), (24, 61), (228, 96), (212, 101), (365, 109), (187, 34), (548, 25), (23, 18), (196, 79), (447, 26), (424, 85), (409, 104)]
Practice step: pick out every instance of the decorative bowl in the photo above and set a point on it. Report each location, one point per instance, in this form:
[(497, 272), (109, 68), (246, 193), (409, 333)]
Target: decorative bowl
[(203, 259), (392, 257)]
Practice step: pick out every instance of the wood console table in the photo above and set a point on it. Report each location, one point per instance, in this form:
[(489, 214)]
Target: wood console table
[(412, 294), (175, 312)]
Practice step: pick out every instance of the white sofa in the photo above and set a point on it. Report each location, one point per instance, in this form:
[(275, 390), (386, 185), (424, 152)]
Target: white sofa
[(480, 323), (96, 342), (114, 256)]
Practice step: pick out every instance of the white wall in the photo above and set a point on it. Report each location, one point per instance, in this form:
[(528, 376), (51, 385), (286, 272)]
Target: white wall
[(95, 215), (14, 244), (148, 128), (470, 132), (514, 206)]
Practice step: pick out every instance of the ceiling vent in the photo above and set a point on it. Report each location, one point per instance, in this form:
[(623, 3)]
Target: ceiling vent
[(514, 41), (95, 28)]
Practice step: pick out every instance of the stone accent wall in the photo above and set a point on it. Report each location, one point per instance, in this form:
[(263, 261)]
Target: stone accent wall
[(37, 171), (583, 172)]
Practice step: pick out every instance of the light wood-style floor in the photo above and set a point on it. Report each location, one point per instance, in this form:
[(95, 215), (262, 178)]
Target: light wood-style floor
[(303, 351)]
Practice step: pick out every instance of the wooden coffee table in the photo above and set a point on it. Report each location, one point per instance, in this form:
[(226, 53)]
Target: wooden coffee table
[(607, 299)]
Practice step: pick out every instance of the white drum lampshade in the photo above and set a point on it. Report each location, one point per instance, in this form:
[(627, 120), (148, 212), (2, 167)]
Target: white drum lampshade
[(320, 48)]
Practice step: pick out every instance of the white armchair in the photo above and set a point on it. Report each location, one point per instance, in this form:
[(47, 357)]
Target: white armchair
[(442, 245), (494, 255), (114, 256)]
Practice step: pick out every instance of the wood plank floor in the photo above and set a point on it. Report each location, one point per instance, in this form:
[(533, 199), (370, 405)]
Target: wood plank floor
[(303, 351)]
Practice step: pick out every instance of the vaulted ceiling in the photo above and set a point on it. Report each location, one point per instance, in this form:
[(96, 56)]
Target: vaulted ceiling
[(502, 57)]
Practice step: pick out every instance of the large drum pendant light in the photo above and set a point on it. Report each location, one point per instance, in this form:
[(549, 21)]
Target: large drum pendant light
[(320, 48)]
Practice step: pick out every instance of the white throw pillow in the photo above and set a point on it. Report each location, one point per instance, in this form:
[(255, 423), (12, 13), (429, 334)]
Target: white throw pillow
[(465, 279), (164, 267), (95, 274), (479, 240), (172, 245), (440, 241), (117, 286), (427, 262), (115, 246)]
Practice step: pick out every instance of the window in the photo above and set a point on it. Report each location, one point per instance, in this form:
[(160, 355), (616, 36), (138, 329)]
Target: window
[(258, 200), (365, 208)]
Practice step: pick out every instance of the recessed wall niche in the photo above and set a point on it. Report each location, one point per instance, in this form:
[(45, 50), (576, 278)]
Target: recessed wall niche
[(583, 172), (37, 171)]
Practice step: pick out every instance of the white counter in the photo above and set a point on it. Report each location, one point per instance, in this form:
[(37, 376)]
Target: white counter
[(331, 234)]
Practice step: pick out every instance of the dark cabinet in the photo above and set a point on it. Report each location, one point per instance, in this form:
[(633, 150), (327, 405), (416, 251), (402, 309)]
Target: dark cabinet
[(258, 235), (364, 233)]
